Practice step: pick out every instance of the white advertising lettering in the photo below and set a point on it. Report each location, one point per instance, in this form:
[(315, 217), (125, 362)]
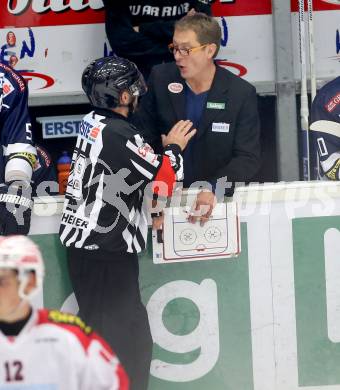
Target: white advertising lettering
[(166, 11), (175, 10), (41, 6), (60, 127), (204, 337), (148, 10)]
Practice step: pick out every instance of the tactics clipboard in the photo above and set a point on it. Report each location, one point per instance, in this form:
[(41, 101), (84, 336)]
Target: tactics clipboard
[(184, 241)]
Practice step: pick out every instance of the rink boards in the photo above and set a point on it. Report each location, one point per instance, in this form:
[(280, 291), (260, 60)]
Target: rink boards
[(266, 320)]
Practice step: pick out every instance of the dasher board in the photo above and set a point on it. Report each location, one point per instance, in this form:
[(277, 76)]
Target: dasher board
[(218, 238)]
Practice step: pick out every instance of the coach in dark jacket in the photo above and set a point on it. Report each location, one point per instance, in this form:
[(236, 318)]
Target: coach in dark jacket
[(222, 107)]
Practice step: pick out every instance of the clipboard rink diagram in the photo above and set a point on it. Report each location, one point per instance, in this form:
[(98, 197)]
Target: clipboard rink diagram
[(218, 238)]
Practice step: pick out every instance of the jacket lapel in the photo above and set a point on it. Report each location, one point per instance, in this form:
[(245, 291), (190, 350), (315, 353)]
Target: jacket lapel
[(218, 93), (177, 98)]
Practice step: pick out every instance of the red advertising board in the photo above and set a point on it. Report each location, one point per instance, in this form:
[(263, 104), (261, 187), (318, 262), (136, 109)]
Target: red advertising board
[(242, 8), (318, 5), (37, 13)]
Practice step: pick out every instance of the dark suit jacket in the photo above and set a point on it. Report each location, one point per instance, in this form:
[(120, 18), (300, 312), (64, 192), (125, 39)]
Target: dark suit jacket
[(233, 152)]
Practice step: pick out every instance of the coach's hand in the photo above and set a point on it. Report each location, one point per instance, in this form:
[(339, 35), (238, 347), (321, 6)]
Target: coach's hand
[(180, 134), (203, 207), (15, 208)]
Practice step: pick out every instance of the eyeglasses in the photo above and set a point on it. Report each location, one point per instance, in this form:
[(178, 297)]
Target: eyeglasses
[(184, 52)]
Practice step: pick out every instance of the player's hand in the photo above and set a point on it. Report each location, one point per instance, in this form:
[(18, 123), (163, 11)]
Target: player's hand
[(203, 207), (180, 134), (15, 208), (191, 12)]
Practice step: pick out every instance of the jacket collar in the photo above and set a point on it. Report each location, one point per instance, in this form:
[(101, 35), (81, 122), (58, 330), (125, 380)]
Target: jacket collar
[(217, 93)]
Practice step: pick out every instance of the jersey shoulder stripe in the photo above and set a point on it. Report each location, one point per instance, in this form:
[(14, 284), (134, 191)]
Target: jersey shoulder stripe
[(76, 326), (68, 322), (19, 80)]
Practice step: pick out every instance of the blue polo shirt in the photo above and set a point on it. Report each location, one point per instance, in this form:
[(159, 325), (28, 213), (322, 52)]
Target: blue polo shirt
[(195, 105)]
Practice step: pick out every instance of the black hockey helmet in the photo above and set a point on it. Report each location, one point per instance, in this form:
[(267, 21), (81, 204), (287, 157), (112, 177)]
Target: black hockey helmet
[(104, 80)]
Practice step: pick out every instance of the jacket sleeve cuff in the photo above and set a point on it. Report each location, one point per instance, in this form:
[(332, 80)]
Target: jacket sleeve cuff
[(174, 148)]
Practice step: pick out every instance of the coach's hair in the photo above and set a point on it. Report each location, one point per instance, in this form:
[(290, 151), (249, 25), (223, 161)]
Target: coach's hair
[(206, 28)]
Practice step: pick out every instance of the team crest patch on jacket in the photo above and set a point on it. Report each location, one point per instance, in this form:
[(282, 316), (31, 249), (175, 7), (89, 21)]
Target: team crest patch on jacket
[(331, 104)]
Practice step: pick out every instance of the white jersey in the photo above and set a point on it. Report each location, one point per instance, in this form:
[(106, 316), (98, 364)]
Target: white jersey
[(57, 351)]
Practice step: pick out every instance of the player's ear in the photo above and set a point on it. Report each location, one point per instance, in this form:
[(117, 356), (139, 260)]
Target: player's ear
[(124, 98), (31, 283)]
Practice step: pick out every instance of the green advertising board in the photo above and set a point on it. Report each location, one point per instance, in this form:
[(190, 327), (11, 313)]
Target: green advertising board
[(266, 320), (209, 299), (318, 355)]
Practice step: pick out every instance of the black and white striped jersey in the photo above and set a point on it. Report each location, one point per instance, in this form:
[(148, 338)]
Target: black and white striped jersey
[(111, 166)]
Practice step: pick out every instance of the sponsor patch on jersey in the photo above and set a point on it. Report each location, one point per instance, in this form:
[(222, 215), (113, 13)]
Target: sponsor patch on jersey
[(220, 127), (144, 149), (90, 131), (69, 319), (94, 132), (73, 220), (331, 105), (92, 247), (7, 86), (175, 87)]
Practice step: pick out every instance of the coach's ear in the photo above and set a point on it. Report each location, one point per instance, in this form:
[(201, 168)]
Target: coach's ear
[(212, 50)]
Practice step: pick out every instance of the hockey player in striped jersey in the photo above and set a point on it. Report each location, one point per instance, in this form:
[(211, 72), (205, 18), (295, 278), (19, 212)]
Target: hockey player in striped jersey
[(17, 154), (326, 129), (46, 349), (103, 224)]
